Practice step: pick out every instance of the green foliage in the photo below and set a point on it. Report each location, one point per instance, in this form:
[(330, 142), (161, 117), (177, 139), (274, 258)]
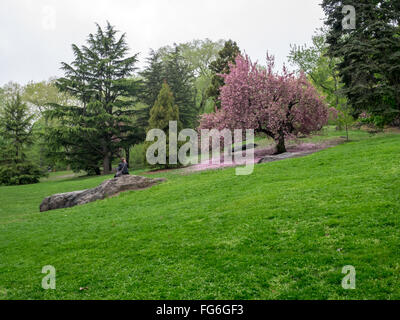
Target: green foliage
[(40, 94), (15, 137), (16, 128), (153, 75), (164, 111), (169, 65), (320, 68), (369, 55), (180, 78), (18, 173), (377, 121), (138, 156), (200, 54), (227, 55), (92, 132), (344, 119)]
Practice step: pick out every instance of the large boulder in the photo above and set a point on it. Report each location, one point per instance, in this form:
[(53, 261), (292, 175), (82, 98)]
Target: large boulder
[(106, 189)]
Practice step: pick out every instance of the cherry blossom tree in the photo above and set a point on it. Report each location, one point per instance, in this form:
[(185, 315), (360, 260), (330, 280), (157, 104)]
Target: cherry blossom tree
[(280, 105)]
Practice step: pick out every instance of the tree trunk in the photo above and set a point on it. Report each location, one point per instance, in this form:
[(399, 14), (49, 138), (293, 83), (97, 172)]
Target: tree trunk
[(106, 164), (280, 145)]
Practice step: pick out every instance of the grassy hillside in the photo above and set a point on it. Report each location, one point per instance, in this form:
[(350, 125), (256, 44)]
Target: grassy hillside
[(284, 232)]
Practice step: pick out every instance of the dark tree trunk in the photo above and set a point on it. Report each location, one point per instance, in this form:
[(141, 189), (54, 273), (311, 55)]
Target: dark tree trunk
[(106, 164), (280, 145)]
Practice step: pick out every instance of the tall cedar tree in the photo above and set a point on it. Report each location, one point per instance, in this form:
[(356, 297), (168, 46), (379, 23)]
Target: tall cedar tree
[(170, 66), (370, 54), (221, 66), (164, 111), (16, 134), (92, 133)]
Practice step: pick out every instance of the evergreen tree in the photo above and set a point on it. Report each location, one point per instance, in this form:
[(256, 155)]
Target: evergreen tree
[(153, 76), (370, 59), (180, 78), (93, 132), (168, 64), (16, 136), (164, 111), (221, 66)]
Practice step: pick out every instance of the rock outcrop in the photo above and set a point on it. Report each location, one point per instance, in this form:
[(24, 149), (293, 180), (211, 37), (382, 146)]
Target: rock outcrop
[(106, 189)]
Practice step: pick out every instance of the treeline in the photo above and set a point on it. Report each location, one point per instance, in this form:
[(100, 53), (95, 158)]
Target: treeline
[(357, 69), (101, 107)]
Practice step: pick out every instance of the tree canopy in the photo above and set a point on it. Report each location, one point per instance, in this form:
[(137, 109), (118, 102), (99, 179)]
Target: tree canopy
[(93, 131), (279, 105), (369, 54)]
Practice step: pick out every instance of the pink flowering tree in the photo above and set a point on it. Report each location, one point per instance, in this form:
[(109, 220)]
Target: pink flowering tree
[(280, 105)]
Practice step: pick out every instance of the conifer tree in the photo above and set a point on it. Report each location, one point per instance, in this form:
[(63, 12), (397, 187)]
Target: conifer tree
[(164, 111), (93, 132), (16, 135), (168, 64), (369, 54), (221, 66), (180, 78)]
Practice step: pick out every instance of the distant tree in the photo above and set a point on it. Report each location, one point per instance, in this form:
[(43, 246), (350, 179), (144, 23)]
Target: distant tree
[(39, 94), (153, 77), (180, 78), (319, 68), (93, 132), (279, 105), (199, 54), (16, 136), (168, 64), (369, 54), (164, 111), (220, 66), (1, 97)]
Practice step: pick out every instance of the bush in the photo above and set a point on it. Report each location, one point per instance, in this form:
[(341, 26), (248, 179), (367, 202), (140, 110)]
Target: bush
[(20, 173), (138, 157), (379, 121)]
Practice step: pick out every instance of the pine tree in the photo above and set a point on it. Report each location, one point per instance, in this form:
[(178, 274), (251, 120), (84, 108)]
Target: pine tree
[(164, 111), (369, 54), (221, 66), (93, 132), (16, 135), (168, 64), (180, 78)]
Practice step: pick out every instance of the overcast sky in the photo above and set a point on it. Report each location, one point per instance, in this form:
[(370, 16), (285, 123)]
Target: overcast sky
[(36, 35)]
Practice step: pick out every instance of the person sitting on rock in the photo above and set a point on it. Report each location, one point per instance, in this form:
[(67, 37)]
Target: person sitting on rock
[(122, 168)]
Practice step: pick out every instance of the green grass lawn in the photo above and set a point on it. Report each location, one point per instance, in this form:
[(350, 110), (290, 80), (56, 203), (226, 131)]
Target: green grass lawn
[(284, 232)]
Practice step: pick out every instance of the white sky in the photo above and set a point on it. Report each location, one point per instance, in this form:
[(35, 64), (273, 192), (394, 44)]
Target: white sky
[(36, 35)]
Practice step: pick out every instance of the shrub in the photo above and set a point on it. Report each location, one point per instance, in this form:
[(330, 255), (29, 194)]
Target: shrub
[(138, 156), (20, 173)]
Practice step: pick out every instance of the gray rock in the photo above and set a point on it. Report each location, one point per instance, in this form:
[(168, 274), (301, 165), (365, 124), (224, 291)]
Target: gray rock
[(106, 189), (277, 157), (245, 147), (286, 155)]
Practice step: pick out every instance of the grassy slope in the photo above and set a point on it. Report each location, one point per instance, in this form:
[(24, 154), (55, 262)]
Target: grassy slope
[(214, 235)]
